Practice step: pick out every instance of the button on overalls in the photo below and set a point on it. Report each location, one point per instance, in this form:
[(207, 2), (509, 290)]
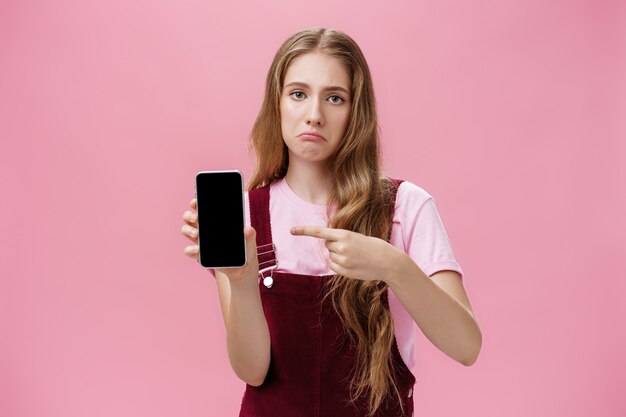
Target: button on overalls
[(311, 356)]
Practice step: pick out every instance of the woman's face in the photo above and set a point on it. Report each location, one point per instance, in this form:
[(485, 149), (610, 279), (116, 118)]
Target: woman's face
[(316, 98)]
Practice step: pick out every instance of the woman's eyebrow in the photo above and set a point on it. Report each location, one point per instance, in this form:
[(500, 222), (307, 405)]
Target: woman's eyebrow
[(328, 88)]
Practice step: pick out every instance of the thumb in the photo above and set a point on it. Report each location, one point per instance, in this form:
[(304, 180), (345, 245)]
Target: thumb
[(250, 235)]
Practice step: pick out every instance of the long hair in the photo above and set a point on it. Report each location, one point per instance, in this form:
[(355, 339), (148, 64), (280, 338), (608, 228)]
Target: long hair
[(359, 192)]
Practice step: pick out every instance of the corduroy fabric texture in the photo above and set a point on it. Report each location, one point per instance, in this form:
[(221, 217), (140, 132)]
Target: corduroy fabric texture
[(312, 358)]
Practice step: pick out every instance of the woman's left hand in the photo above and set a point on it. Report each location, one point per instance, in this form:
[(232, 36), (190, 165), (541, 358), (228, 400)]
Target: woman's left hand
[(355, 255)]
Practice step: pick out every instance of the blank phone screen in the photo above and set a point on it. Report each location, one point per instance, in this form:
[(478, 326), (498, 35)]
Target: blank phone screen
[(220, 219)]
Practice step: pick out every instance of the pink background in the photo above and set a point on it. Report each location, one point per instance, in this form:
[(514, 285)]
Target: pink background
[(511, 114)]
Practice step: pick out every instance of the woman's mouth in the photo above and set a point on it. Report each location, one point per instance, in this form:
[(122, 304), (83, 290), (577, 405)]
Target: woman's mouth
[(314, 136)]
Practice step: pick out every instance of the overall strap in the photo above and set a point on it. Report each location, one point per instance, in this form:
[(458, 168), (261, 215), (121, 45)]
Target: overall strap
[(259, 200), (392, 205), (392, 202)]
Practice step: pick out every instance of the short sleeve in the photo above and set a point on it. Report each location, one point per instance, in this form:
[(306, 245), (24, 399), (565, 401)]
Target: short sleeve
[(425, 237)]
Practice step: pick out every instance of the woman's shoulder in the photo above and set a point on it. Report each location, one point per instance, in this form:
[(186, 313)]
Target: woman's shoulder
[(409, 190), (261, 188), (410, 198)]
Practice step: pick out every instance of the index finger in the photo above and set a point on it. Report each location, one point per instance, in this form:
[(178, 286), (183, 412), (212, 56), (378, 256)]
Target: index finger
[(321, 232), (193, 203)]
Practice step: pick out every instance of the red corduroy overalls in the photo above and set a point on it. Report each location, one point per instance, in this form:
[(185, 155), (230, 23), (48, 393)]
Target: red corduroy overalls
[(311, 357)]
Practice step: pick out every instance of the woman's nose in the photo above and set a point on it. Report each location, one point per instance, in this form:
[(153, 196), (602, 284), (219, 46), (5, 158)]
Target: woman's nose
[(314, 112)]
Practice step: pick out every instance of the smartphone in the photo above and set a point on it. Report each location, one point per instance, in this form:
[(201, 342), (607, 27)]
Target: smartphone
[(220, 207)]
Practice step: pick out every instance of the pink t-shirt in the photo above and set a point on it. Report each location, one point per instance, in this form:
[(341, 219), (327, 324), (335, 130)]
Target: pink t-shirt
[(417, 230)]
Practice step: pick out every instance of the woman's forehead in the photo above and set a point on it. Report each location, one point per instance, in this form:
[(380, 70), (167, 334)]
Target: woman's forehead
[(317, 71)]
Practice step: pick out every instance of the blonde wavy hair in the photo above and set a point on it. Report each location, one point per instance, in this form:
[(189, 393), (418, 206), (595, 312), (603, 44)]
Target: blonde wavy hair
[(360, 193)]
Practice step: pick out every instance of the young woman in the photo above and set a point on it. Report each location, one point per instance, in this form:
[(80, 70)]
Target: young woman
[(342, 260)]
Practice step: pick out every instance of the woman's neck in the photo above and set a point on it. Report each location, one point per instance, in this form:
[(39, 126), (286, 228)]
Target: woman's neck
[(309, 180)]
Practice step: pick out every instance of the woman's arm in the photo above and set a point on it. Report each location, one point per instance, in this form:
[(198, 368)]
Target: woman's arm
[(440, 307), (442, 312), (247, 333)]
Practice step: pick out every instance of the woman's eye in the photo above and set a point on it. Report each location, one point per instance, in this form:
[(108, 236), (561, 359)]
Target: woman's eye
[(341, 100)]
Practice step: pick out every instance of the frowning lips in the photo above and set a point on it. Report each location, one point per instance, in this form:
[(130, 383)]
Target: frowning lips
[(311, 133)]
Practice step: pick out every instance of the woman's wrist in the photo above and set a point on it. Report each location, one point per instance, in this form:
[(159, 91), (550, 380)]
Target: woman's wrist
[(400, 265), (244, 283)]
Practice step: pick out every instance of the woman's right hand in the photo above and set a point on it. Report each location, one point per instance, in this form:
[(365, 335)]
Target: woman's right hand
[(190, 230)]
